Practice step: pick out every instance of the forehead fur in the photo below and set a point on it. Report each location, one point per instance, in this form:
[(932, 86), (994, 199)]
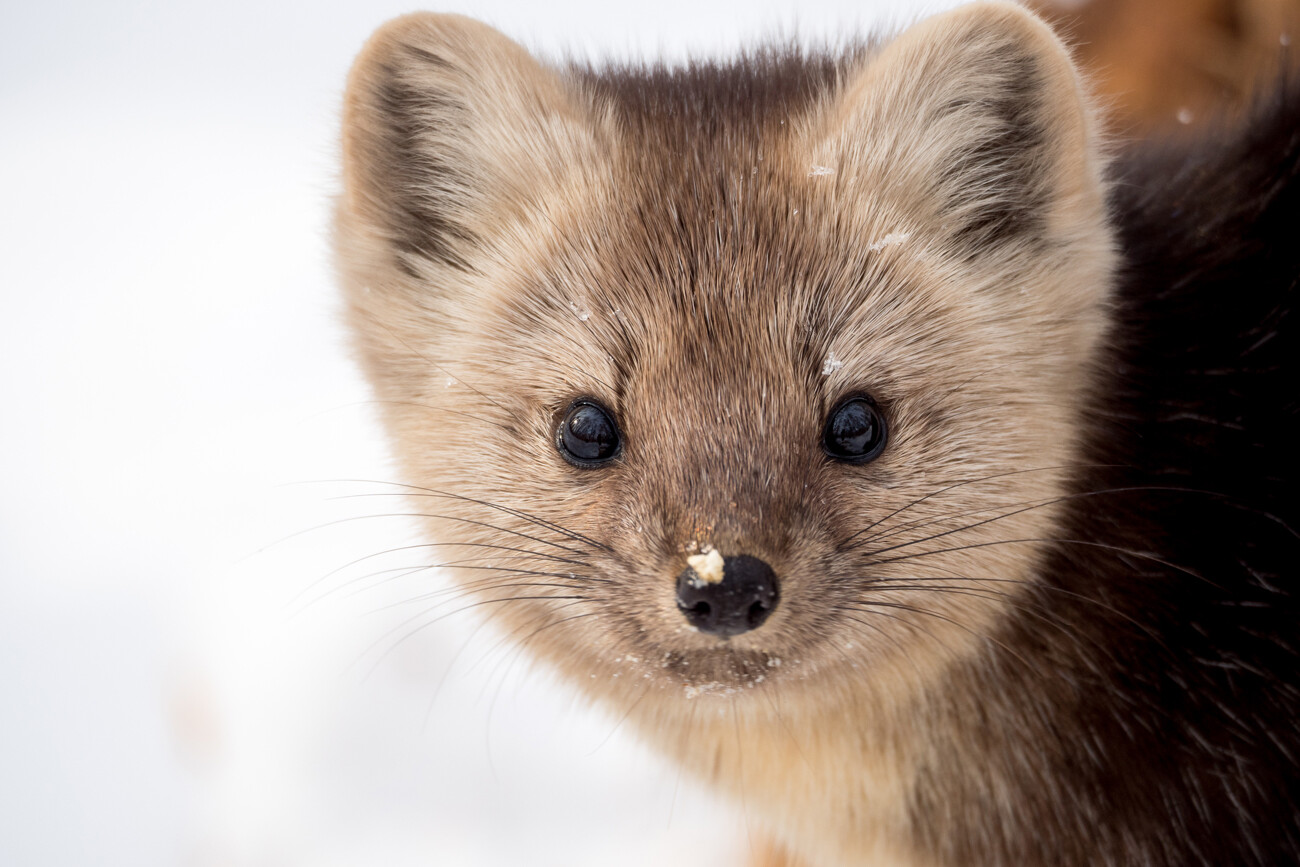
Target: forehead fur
[(464, 156)]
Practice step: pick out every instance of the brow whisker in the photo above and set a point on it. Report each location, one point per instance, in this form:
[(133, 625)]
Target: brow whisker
[(439, 367)]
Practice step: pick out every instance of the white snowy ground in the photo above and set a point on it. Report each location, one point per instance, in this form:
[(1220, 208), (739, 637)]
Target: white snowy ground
[(175, 398)]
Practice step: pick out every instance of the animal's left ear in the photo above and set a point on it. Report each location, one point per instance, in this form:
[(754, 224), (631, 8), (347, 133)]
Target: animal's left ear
[(975, 120)]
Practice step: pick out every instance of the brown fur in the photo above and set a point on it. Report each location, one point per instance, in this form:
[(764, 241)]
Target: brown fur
[(1165, 63), (689, 247)]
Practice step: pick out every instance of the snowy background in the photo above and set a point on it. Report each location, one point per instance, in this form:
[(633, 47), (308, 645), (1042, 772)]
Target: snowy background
[(179, 418)]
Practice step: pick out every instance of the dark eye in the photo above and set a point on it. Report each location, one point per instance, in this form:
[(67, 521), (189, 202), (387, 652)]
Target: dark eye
[(855, 431), (587, 436)]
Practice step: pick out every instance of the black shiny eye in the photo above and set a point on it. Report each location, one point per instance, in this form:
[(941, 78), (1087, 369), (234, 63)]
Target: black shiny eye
[(855, 431), (587, 436)]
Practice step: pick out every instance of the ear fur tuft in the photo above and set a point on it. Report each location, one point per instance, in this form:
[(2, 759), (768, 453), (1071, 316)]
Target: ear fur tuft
[(978, 118), (450, 131)]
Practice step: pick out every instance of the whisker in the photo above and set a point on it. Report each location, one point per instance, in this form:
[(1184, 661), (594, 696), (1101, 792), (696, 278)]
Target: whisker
[(423, 626), (874, 603), (521, 645), (529, 555), (455, 589), (780, 718), (744, 803), (963, 483), (434, 492), (476, 586), (430, 407), (394, 574), (461, 585), (1029, 607), (528, 551), (533, 519), (513, 648), (444, 370), (339, 521), (451, 663), (576, 344), (1048, 587), (908, 623), (620, 722), (1102, 545), (921, 523), (1029, 505), (1024, 508), (920, 678)]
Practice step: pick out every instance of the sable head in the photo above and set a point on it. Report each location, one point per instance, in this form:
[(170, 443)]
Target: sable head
[(762, 373)]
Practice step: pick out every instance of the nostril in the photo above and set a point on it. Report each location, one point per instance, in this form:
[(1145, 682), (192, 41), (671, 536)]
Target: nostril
[(739, 601)]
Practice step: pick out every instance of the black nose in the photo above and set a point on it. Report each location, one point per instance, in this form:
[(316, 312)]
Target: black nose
[(741, 601)]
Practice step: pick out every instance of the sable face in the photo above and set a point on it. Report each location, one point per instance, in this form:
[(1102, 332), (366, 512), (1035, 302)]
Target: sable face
[(744, 378)]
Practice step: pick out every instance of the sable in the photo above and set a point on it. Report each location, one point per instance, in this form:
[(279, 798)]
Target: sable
[(917, 474)]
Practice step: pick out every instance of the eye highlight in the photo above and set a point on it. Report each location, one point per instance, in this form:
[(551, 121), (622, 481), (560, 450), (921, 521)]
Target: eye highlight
[(587, 436), (855, 431)]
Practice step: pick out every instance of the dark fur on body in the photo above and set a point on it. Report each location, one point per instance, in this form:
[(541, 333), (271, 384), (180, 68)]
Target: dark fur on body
[(1124, 693), (1173, 718)]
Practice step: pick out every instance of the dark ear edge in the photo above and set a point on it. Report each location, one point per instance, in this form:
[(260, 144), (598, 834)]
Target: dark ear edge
[(998, 182), (448, 127), (391, 186), (981, 114)]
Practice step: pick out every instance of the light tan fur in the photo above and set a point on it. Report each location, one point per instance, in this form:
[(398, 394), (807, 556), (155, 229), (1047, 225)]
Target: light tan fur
[(700, 286)]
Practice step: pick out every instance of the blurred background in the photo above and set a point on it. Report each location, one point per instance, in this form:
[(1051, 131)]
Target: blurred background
[(208, 653)]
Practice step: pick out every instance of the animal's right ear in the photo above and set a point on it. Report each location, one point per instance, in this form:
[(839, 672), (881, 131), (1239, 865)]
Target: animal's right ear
[(450, 132)]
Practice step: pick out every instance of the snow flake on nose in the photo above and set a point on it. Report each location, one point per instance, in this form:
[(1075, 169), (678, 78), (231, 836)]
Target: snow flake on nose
[(707, 566)]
